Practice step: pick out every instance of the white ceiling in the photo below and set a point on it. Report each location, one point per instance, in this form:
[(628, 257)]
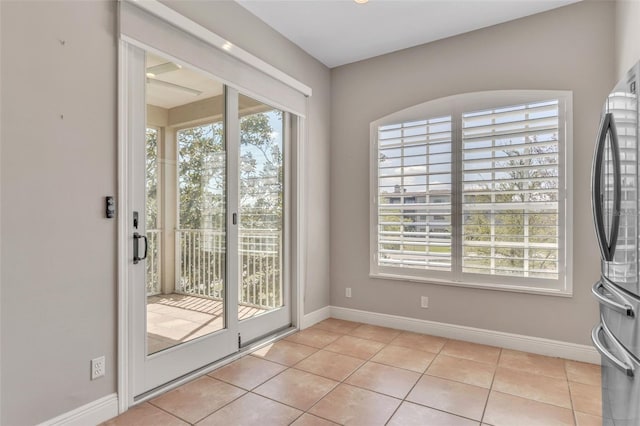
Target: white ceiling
[(339, 32), (182, 87)]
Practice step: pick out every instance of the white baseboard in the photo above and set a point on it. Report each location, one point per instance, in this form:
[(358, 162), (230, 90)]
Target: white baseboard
[(536, 345), (315, 317), (92, 413)]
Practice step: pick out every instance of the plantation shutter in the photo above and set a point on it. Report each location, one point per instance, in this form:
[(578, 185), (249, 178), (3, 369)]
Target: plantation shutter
[(510, 191), (414, 194)]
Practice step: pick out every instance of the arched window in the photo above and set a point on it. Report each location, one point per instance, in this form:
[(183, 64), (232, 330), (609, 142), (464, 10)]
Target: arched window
[(473, 190)]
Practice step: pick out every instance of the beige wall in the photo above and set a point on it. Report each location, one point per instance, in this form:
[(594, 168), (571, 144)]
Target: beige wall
[(565, 49), (58, 264), (157, 116), (627, 35), (58, 162)]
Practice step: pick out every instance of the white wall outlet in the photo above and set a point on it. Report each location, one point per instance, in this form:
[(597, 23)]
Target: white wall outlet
[(347, 292), (424, 302), (97, 367)]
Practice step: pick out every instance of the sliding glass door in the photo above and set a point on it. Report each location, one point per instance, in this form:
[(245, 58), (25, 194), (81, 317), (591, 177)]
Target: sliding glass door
[(208, 223)]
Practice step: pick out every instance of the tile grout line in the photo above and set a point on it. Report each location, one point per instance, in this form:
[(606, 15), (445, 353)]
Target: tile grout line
[(165, 411), (413, 387), (452, 380), (343, 381), (493, 379), (339, 382), (285, 404), (424, 373), (497, 365), (456, 380), (365, 361), (552, 378), (280, 363), (240, 387), (220, 408), (288, 367), (293, 367), (267, 397), (573, 411), (390, 396)]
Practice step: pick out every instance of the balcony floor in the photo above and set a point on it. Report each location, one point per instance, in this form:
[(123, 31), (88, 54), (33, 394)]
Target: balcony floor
[(177, 318)]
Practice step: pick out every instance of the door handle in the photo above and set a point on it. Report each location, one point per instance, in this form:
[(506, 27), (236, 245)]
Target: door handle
[(623, 306), (136, 237), (607, 245), (625, 366)]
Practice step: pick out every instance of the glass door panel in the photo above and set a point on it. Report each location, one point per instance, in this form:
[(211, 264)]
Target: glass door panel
[(262, 216), (261, 207), (185, 207)]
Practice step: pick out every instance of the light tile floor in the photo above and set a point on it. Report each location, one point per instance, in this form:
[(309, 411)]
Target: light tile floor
[(341, 372)]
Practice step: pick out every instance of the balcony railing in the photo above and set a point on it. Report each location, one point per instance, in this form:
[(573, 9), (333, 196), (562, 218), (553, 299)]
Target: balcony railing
[(201, 265), (153, 262), (260, 268)]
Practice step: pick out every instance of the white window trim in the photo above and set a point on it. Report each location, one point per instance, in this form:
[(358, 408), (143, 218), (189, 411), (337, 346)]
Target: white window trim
[(455, 106)]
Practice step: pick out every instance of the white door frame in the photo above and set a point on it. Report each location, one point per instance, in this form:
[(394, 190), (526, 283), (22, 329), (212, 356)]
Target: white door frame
[(299, 217)]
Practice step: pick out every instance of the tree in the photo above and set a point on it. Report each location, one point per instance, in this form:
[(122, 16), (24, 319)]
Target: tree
[(151, 206), (202, 166), (261, 207), (532, 173), (202, 194), (531, 182), (151, 168), (201, 177), (262, 172)]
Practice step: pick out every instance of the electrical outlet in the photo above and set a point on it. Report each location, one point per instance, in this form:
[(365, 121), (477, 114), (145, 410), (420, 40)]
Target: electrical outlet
[(424, 302), (97, 367), (347, 292)]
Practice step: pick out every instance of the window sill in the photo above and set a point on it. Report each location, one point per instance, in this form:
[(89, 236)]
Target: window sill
[(483, 286)]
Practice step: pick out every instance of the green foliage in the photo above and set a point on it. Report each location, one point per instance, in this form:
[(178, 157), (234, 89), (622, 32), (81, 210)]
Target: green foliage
[(201, 177), (202, 183), (529, 181), (202, 194), (151, 206), (151, 168), (262, 172)]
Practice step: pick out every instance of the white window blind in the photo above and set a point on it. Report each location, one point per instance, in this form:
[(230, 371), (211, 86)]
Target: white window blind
[(510, 181), (472, 190), (414, 194)]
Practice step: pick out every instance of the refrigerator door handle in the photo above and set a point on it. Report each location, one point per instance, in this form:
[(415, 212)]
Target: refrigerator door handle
[(607, 243), (623, 306), (626, 366)]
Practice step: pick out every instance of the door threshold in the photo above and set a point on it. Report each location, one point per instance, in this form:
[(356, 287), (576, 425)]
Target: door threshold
[(245, 350)]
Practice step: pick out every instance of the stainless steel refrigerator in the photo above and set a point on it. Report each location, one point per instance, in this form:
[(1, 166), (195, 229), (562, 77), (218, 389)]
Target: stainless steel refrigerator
[(616, 209)]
